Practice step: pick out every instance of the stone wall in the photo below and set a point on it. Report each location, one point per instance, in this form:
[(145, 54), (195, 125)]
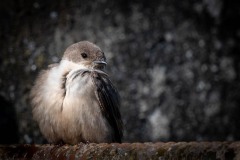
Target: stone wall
[(175, 64), (170, 150)]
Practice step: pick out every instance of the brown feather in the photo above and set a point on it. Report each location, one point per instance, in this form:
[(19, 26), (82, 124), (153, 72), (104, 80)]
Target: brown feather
[(109, 102)]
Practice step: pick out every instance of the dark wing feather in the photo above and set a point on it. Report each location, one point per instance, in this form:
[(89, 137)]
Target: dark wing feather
[(108, 98)]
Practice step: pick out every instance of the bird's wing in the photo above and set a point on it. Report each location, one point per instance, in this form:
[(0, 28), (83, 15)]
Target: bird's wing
[(108, 98)]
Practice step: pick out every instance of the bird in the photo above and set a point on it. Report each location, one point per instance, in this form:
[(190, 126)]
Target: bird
[(74, 101)]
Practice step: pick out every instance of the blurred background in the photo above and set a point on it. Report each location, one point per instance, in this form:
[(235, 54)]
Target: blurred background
[(175, 63)]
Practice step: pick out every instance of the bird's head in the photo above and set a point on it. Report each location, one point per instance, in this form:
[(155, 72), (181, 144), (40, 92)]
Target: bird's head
[(87, 54)]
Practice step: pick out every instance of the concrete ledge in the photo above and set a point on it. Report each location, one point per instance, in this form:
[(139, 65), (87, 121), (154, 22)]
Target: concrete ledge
[(170, 150)]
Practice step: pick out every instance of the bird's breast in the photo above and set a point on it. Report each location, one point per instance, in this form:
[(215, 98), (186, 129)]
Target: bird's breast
[(81, 111), (79, 91)]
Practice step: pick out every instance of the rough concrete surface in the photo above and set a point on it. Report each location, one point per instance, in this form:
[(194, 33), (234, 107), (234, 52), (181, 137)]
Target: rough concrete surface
[(159, 150)]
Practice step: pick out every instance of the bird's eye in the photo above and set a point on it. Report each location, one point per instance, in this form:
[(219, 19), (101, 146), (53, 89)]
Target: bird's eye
[(84, 55)]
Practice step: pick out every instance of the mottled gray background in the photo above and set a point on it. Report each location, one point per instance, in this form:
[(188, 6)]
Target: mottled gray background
[(175, 63)]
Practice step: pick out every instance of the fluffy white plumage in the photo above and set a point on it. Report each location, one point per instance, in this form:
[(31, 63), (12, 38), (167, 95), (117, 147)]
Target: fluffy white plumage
[(74, 101)]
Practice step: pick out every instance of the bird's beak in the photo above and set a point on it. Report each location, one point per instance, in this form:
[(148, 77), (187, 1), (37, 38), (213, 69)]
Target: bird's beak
[(99, 64)]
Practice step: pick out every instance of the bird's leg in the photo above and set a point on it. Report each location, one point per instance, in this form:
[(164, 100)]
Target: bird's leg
[(60, 143)]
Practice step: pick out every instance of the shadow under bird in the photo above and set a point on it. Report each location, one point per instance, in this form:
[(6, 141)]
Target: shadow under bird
[(74, 101)]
